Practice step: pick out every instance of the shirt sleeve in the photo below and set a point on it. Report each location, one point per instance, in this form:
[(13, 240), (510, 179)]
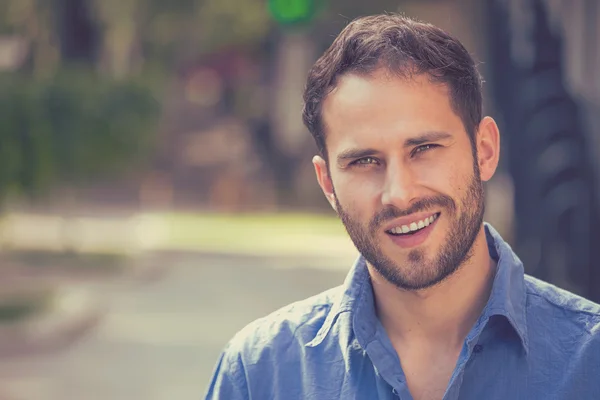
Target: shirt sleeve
[(228, 381)]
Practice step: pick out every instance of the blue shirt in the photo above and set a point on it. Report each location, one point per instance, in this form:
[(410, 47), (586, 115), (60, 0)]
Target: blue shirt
[(532, 341)]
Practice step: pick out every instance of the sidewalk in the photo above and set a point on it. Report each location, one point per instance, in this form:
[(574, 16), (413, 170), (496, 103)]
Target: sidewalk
[(286, 242), (161, 340)]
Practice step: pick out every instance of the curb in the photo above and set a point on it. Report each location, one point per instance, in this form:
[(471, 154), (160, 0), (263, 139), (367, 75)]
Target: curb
[(73, 313)]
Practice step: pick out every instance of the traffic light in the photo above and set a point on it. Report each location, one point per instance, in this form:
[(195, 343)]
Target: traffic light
[(294, 12)]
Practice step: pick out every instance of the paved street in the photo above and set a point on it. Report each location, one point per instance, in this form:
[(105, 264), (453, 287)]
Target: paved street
[(160, 339)]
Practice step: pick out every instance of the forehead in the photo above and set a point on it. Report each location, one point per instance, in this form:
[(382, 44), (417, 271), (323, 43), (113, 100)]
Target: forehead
[(383, 107)]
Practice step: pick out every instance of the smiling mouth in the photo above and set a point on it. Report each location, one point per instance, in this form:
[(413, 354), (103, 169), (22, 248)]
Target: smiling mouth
[(413, 227)]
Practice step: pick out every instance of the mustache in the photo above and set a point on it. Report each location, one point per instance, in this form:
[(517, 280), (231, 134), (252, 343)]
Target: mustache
[(391, 212)]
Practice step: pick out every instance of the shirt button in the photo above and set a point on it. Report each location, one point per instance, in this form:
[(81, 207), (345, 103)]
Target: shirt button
[(477, 349)]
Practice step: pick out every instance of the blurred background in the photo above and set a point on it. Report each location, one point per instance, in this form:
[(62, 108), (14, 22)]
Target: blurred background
[(156, 189)]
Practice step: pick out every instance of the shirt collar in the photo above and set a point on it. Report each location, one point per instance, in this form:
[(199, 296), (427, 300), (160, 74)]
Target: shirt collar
[(356, 283), (506, 299), (508, 296)]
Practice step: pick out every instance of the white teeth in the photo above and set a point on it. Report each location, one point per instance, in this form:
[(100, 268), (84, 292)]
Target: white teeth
[(414, 226)]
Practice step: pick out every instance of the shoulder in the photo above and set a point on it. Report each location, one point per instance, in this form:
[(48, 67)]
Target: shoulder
[(269, 347), (268, 343), (564, 340), (548, 301), (293, 325)]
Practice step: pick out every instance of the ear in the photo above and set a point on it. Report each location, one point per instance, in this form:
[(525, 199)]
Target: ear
[(488, 148), (324, 179)]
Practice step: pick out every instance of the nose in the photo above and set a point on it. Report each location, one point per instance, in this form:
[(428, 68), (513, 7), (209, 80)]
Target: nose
[(399, 188)]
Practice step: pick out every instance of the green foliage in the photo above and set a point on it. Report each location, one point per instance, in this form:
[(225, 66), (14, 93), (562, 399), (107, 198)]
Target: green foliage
[(19, 308), (71, 128), (25, 162)]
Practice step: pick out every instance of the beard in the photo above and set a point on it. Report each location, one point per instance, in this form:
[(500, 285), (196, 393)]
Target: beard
[(418, 271)]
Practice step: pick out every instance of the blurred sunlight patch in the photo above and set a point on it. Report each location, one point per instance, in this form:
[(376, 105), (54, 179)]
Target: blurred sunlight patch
[(269, 234), (253, 234)]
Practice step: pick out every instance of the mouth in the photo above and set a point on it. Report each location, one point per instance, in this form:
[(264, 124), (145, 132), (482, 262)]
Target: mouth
[(413, 233), (413, 227)]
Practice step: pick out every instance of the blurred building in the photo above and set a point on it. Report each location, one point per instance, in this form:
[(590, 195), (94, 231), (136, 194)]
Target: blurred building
[(545, 63)]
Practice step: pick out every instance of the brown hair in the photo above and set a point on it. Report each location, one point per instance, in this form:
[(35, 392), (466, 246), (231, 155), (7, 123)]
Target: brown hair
[(404, 47)]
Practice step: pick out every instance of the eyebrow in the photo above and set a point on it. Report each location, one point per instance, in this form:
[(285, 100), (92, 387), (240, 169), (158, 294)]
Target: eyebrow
[(426, 137), (352, 154)]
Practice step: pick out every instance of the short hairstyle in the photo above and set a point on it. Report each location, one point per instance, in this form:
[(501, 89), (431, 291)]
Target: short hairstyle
[(401, 46)]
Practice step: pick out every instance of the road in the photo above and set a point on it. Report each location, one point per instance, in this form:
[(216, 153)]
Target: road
[(159, 340)]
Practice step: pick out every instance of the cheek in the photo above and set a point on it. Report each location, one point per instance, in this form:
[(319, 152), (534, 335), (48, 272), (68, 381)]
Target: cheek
[(436, 173), (358, 195), (446, 175)]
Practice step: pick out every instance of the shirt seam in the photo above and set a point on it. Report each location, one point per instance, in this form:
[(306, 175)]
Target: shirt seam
[(563, 307), (582, 326)]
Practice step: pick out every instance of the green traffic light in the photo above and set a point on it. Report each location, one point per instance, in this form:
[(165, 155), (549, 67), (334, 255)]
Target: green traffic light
[(292, 12)]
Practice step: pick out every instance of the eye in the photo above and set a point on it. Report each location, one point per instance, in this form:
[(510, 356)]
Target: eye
[(365, 161), (423, 148)]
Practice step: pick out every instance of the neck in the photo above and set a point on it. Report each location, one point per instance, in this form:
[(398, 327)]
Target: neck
[(443, 314)]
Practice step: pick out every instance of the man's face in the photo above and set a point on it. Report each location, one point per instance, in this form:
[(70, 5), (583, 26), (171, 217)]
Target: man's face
[(402, 176)]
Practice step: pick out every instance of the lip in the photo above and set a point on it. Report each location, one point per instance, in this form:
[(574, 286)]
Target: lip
[(415, 239), (409, 219)]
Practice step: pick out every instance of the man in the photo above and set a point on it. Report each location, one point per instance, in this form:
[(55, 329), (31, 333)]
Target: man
[(437, 306)]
